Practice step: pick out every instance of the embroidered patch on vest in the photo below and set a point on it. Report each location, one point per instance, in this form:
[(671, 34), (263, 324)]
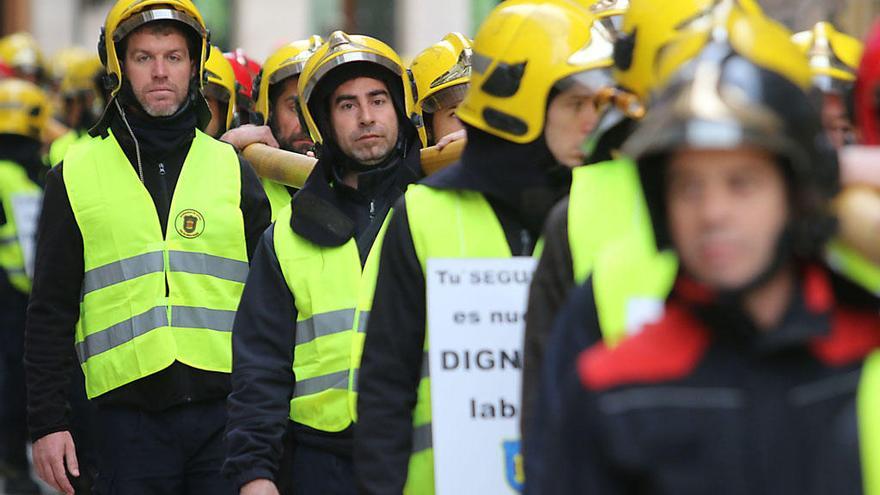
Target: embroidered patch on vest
[(189, 224)]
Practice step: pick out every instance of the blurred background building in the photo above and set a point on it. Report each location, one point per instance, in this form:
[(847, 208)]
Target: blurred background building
[(259, 26)]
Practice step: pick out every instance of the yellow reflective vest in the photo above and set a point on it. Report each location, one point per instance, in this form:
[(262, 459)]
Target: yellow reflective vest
[(868, 406), (14, 184), (611, 238), (60, 146), (470, 229), (150, 298), (278, 195), (333, 296), (605, 203)]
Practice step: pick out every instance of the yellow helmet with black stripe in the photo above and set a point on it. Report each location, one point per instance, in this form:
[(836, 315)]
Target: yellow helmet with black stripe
[(650, 25), (24, 108), (522, 50)]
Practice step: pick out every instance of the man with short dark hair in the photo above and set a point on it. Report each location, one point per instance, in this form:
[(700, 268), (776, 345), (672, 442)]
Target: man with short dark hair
[(299, 330), (142, 253)]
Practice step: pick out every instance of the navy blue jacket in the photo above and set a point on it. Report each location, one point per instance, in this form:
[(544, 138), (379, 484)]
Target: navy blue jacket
[(703, 402), (54, 305), (521, 183), (260, 436)]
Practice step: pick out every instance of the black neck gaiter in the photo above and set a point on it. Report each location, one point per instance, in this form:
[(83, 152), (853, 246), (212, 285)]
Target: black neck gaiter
[(159, 136)]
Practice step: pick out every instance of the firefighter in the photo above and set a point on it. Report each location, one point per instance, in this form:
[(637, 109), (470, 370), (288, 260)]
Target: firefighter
[(277, 110), (441, 74), (721, 393), (24, 110), (605, 203), (530, 106), (82, 92), (220, 93), (244, 99), (23, 55), (143, 249), (61, 62), (300, 327), (56, 69), (834, 59)]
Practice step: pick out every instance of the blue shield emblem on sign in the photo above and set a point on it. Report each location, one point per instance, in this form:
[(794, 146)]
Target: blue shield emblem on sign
[(513, 463)]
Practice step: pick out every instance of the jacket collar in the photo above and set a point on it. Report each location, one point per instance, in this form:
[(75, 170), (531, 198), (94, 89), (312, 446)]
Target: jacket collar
[(317, 214), (524, 178), (808, 314)]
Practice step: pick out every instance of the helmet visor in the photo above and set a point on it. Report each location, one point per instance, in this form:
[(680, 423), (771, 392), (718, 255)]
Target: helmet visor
[(445, 98), (137, 20)]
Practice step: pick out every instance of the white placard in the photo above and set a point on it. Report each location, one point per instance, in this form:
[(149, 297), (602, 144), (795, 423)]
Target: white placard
[(26, 210), (476, 316)]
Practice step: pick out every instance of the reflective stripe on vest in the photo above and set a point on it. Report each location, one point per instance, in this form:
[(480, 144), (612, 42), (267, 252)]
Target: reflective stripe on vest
[(469, 229), (605, 203), (178, 261), (148, 298), (278, 195), (869, 423), (332, 295), (14, 182)]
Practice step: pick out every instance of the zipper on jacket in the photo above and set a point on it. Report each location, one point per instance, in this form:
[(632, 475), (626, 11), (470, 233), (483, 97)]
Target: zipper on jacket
[(372, 209), (164, 189), (526, 240)]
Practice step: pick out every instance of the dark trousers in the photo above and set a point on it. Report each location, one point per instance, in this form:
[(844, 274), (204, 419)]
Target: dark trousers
[(13, 425), (306, 470), (174, 452), (83, 428)]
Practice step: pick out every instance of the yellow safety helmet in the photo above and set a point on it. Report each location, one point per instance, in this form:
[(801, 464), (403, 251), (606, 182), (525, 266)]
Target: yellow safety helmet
[(83, 75), (341, 49), (21, 52), (521, 51), (288, 61), (24, 108), (745, 86), (648, 26), (61, 62), (735, 72), (760, 39), (441, 74), (834, 56), (221, 82), (128, 15)]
